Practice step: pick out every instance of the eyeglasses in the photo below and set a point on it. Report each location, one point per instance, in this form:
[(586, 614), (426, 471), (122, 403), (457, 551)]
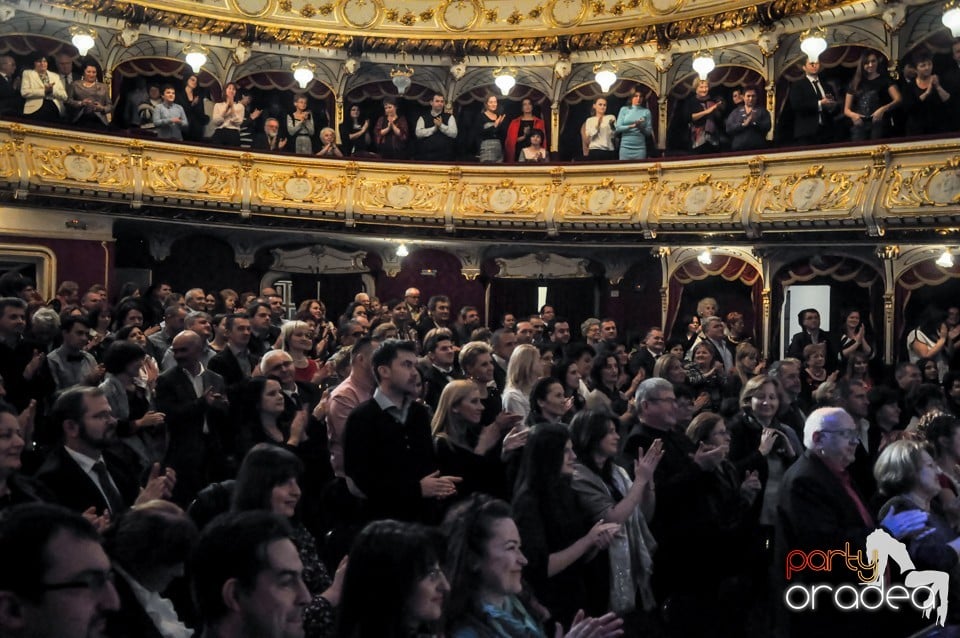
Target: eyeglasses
[(94, 581), (852, 435)]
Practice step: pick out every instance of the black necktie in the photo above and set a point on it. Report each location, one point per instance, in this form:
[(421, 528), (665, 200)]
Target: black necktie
[(114, 500), (818, 89)]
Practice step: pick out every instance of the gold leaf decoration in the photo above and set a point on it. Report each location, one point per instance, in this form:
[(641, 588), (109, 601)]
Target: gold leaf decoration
[(617, 9), (408, 18), (308, 11), (391, 15), (515, 18), (285, 5), (326, 9), (490, 15), (536, 12), (427, 15), (598, 7)]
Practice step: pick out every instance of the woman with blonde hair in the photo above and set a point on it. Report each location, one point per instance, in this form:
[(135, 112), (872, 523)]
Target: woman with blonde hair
[(523, 371), (466, 448), (296, 338)]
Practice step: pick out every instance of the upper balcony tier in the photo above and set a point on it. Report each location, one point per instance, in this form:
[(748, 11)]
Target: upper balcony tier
[(902, 189)]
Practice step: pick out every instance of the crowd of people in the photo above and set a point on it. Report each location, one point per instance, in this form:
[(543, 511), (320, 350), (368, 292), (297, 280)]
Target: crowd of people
[(816, 110), (212, 463)]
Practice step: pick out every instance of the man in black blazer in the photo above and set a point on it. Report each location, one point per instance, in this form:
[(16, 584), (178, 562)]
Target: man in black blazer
[(813, 105), (503, 342), (440, 369), (82, 473), (809, 318), (194, 402), (647, 354), (11, 103), (388, 447), (235, 363), (820, 508)]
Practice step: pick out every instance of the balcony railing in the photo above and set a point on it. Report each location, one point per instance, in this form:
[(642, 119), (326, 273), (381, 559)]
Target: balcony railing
[(868, 189)]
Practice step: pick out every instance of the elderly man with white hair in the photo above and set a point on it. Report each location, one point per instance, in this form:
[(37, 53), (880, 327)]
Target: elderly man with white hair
[(821, 509)]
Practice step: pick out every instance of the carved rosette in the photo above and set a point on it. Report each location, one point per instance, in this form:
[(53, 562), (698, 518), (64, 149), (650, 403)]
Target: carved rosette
[(608, 199)]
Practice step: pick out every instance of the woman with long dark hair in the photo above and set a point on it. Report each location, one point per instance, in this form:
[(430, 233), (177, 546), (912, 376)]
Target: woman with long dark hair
[(395, 586), (268, 479), (605, 492), (872, 94), (566, 565), (485, 566)]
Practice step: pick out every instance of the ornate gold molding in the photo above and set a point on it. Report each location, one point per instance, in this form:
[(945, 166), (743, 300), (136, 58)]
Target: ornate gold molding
[(740, 196), (427, 26)]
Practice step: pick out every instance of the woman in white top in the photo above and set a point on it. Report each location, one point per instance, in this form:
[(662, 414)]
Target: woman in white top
[(599, 131), (227, 118), (43, 92), (523, 371)]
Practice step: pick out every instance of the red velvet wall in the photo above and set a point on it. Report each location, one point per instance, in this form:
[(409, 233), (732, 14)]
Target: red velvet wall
[(83, 261)]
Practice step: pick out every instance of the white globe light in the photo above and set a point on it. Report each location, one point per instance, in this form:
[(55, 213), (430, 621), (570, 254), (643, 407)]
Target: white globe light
[(951, 20), (84, 42), (303, 76), (505, 83), (703, 64), (945, 260), (605, 78), (196, 60), (402, 82), (813, 46)]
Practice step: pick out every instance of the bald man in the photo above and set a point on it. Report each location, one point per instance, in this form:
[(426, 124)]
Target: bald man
[(194, 401)]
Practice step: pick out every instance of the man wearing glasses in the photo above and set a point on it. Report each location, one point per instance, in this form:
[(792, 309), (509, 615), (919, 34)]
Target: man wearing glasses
[(821, 508), (56, 580)]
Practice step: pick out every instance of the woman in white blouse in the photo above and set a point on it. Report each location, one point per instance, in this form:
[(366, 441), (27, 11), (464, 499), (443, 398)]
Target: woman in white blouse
[(43, 92), (227, 118), (599, 132)]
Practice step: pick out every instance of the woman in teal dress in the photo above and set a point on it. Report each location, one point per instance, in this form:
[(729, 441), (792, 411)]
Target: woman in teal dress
[(633, 126)]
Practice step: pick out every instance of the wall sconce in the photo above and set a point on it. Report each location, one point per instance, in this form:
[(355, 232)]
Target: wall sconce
[(303, 72), (945, 260), (605, 75), (951, 17), (813, 42), (83, 38), (706, 257), (402, 250), (703, 63), (196, 56), (505, 79)]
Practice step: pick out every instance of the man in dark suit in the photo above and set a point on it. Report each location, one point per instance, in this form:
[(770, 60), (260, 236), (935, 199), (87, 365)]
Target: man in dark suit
[(235, 363), (11, 103), (647, 354), (821, 509), (387, 444), (270, 139), (82, 473), (809, 318), (441, 355), (813, 107), (193, 400)]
